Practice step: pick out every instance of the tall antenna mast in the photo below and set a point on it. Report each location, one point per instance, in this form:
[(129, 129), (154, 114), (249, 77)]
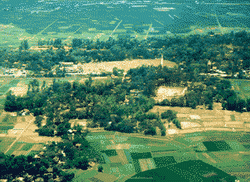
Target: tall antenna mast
[(162, 60)]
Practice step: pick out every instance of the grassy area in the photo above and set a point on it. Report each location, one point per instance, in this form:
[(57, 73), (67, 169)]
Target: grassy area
[(232, 117), (217, 145), (33, 153), (7, 122), (164, 161), (110, 153), (5, 88), (81, 175), (143, 155), (6, 141), (27, 146), (242, 87)]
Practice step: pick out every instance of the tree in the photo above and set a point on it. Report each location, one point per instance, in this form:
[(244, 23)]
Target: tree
[(241, 104), (165, 102), (63, 128), (177, 123), (24, 45), (42, 170), (81, 163), (57, 43), (169, 115), (191, 99), (38, 121), (68, 177), (163, 133), (100, 168), (248, 104), (11, 104), (76, 43), (150, 131)]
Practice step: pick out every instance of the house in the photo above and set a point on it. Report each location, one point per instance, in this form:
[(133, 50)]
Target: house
[(50, 170), (39, 179), (24, 112), (78, 145)]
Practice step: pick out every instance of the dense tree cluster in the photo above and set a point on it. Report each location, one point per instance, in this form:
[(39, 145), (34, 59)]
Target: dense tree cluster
[(51, 163), (228, 52), (31, 168)]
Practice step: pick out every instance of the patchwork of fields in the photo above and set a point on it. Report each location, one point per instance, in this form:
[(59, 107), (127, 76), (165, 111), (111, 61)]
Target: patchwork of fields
[(226, 152), (242, 87), (123, 155), (100, 20)]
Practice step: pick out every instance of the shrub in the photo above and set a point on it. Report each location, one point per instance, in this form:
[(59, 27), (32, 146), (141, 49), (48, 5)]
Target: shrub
[(6, 119), (38, 121), (177, 123), (151, 116), (163, 133), (150, 131), (91, 124), (165, 102), (100, 168), (169, 114)]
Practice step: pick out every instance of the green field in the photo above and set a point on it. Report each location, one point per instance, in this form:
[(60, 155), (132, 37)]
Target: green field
[(217, 146), (242, 87), (221, 147), (7, 122), (5, 142), (5, 88), (164, 161), (110, 153)]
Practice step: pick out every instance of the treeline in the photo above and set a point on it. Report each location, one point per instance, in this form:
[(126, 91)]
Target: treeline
[(52, 163), (228, 52), (121, 102)]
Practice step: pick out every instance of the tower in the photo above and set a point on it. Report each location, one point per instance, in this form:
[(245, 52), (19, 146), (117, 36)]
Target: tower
[(162, 60)]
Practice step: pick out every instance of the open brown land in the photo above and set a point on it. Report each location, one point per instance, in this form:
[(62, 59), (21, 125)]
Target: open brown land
[(199, 119), (164, 92), (125, 65)]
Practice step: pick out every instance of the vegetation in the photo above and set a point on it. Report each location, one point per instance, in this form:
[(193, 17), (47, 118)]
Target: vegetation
[(100, 168), (228, 52), (119, 103)]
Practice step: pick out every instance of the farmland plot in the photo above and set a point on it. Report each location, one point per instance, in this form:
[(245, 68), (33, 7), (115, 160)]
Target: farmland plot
[(217, 145), (164, 161)]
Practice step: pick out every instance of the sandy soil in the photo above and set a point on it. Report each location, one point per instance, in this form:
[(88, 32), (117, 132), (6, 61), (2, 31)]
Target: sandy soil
[(185, 125), (25, 131), (20, 90), (125, 65), (119, 146), (164, 92)]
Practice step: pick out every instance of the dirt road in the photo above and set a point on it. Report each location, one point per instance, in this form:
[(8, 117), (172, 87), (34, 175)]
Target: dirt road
[(31, 121)]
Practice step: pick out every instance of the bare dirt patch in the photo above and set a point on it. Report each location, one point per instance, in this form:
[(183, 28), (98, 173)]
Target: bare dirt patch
[(119, 146), (125, 65), (122, 156), (164, 92), (213, 124), (20, 90), (185, 125), (17, 153), (194, 120), (39, 139), (115, 159)]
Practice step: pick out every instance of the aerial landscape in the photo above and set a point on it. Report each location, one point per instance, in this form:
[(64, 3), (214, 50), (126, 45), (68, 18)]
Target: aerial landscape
[(115, 91)]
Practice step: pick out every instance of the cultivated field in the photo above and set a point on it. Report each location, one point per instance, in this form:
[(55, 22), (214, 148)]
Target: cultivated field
[(218, 137), (242, 87), (225, 150)]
